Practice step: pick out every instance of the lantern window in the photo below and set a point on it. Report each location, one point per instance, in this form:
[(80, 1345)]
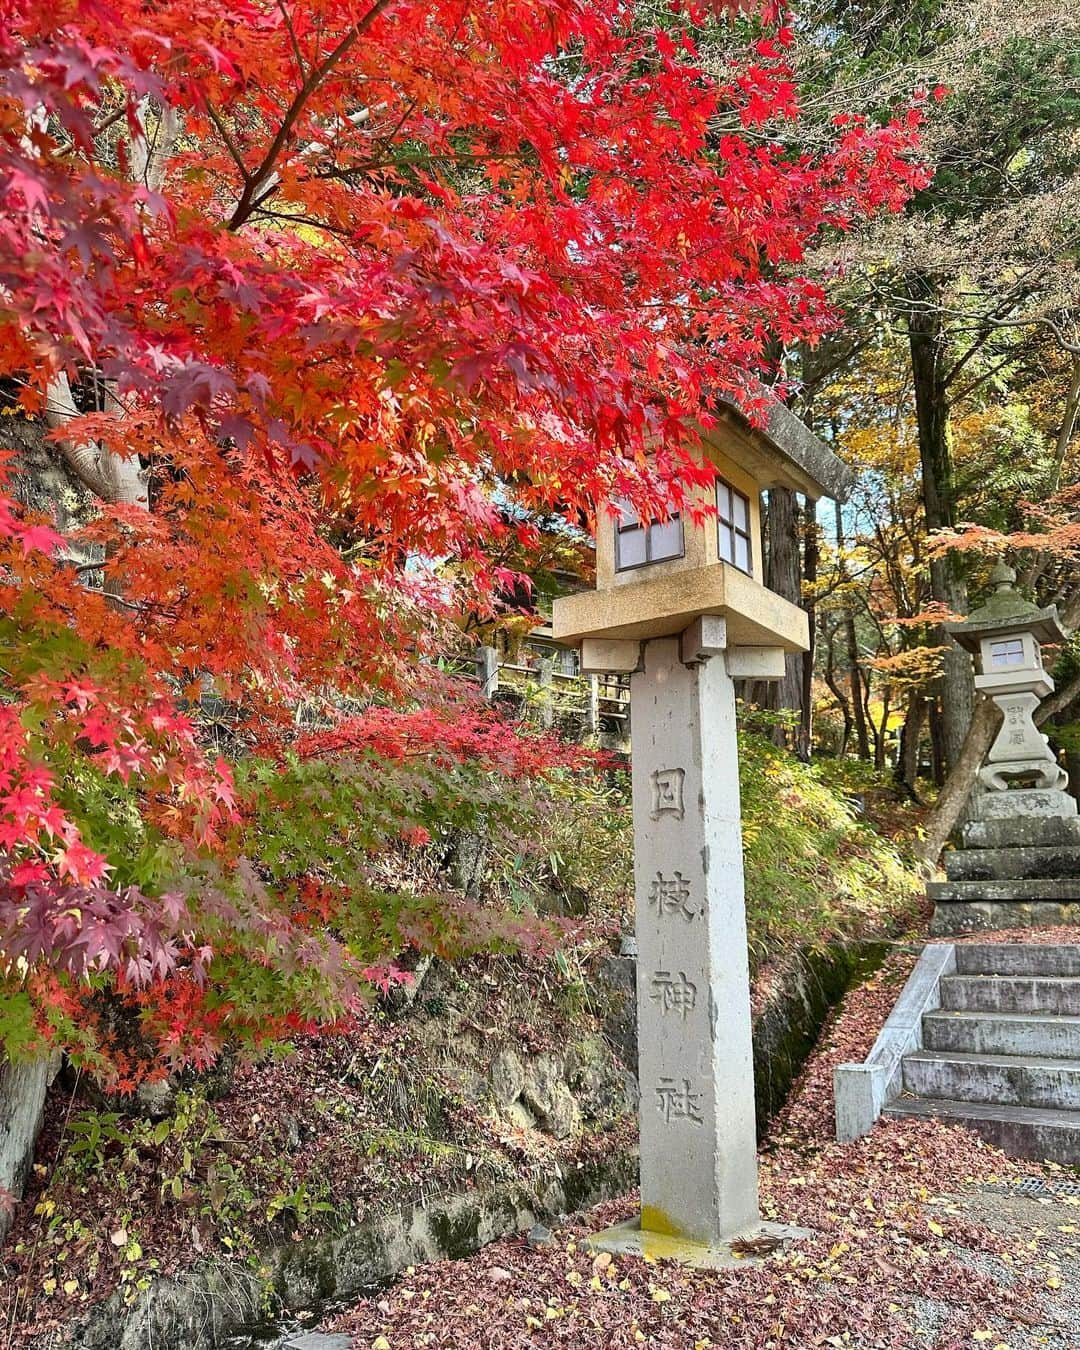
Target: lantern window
[(733, 527), (637, 544), (1007, 652)]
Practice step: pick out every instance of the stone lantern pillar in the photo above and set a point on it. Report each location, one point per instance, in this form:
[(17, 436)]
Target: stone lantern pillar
[(679, 606)]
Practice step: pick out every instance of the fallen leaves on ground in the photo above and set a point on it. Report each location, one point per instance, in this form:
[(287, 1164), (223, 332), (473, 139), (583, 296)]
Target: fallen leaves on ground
[(894, 1261)]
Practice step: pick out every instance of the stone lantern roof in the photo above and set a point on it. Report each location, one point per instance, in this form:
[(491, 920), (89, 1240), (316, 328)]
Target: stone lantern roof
[(784, 452), (1006, 612)]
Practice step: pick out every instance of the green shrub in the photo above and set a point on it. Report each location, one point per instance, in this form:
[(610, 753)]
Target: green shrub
[(814, 872)]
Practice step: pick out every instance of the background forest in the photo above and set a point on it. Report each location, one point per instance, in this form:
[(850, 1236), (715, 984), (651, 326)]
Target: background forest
[(953, 386), (302, 400)]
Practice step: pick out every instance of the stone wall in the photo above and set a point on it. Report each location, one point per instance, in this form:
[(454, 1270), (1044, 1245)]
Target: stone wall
[(581, 1089), (203, 1308), (22, 1105), (791, 1002)]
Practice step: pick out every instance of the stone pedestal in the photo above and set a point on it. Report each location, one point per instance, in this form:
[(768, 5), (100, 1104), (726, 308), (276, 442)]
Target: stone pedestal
[(1037, 803), (1018, 865), (696, 1073)]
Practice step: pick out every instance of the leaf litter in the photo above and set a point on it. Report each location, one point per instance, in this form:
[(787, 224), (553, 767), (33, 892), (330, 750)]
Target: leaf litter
[(913, 1244)]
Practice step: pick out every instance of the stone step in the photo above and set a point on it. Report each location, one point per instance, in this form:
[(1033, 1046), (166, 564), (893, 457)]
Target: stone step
[(1051, 994), (1003, 864), (990, 916), (1005, 1079), (1017, 958), (983, 1033), (1057, 888), (1023, 1131), (1022, 832)]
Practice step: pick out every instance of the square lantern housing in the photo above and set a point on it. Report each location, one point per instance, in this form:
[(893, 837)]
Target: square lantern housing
[(1005, 637), (655, 577)]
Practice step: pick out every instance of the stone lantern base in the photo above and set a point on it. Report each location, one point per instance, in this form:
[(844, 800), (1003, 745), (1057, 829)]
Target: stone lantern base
[(1026, 804), (1018, 865)]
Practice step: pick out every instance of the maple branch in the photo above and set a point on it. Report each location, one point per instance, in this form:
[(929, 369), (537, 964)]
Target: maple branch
[(143, 606), (313, 147), (301, 219), (421, 158), (109, 121), (230, 144), (315, 77), (287, 18)]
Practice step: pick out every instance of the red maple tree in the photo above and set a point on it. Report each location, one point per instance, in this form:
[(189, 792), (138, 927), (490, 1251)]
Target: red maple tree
[(350, 280)]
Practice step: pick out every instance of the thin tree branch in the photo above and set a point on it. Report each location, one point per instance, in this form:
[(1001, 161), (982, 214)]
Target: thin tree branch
[(230, 144), (297, 53), (1058, 701), (315, 77), (989, 375)]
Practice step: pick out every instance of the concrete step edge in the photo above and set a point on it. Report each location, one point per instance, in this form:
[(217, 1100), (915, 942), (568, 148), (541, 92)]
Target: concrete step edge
[(987, 958), (1062, 834), (946, 1108), (994, 977), (975, 1015), (972, 1058), (1017, 889), (1071, 845), (954, 918)]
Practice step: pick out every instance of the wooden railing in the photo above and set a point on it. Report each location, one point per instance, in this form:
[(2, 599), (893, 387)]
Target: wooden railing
[(591, 706)]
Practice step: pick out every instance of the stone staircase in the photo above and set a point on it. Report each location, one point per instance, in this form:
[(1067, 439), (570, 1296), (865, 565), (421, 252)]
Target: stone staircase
[(1002, 1053)]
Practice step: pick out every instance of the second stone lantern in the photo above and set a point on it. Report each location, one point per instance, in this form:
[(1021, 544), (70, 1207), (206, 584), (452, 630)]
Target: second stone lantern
[(679, 604), (1017, 862), (1005, 636)]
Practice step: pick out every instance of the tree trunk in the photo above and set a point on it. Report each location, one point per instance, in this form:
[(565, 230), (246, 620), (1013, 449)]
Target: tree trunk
[(937, 745), (1069, 612), (1068, 423), (22, 1104), (842, 700), (960, 782), (856, 680), (1072, 768), (851, 641), (116, 478), (110, 477), (1059, 701), (811, 556), (943, 819), (907, 763), (877, 751), (929, 368), (881, 743), (783, 575)]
